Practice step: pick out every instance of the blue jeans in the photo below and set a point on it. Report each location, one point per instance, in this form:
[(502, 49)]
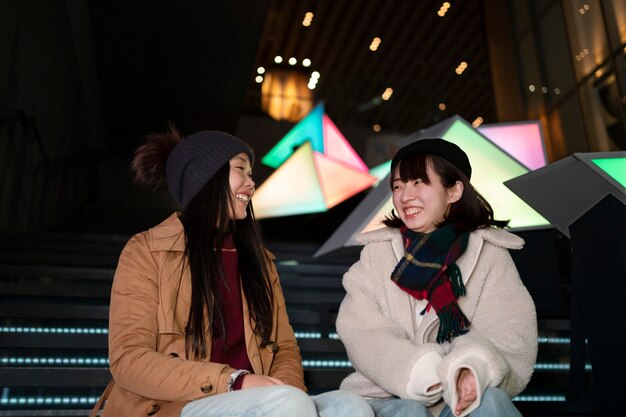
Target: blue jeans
[(279, 401), (494, 403)]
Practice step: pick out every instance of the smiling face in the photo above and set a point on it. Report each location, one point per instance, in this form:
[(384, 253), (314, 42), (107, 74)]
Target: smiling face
[(241, 185), (422, 203)]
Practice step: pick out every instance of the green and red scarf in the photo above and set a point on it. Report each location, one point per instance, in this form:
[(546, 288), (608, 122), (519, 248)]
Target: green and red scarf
[(429, 271)]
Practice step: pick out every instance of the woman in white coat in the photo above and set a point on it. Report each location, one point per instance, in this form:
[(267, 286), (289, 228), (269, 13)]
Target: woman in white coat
[(436, 320)]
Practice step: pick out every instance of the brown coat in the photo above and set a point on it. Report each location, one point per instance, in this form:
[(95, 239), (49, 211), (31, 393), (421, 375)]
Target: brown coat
[(150, 302)]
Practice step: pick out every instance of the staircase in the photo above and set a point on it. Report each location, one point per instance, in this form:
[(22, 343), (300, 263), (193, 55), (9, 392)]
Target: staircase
[(54, 296)]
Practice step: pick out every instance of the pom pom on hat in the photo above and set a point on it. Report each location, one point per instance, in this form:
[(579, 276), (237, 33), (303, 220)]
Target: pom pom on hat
[(150, 159)]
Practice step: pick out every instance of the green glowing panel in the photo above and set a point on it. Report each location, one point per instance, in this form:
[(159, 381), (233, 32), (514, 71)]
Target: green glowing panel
[(292, 189), (309, 129), (614, 167), (490, 168)]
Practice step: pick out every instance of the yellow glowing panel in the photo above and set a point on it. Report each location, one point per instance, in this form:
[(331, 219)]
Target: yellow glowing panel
[(491, 168), (336, 146), (292, 189), (339, 181)]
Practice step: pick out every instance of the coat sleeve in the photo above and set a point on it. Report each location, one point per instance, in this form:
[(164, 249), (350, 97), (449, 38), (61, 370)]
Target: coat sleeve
[(135, 363), (501, 347), (378, 347), (287, 363)]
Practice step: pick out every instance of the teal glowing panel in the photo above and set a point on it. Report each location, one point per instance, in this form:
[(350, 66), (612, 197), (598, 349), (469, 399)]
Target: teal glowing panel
[(309, 129), (614, 167), (381, 171)]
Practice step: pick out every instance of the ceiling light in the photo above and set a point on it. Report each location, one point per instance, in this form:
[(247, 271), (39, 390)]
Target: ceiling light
[(557, 91), (258, 79), (260, 70), (462, 66), (278, 59), (375, 44), (531, 88), (444, 8), (376, 128), (442, 106), (315, 76), (544, 90), (293, 61), (306, 62), (387, 94), (308, 18)]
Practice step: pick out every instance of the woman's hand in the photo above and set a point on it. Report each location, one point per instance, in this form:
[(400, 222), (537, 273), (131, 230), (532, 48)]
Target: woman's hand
[(255, 381), (466, 389)]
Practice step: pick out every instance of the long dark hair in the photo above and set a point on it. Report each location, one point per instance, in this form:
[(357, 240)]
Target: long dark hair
[(207, 221), (472, 211)]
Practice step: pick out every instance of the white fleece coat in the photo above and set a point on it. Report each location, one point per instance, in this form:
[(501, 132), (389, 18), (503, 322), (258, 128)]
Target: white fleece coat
[(395, 355)]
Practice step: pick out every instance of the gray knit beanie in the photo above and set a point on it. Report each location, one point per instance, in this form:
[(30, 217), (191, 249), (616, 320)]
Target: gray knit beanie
[(194, 161)]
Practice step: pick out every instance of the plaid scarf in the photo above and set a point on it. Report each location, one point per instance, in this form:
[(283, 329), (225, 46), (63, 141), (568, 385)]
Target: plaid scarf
[(428, 270)]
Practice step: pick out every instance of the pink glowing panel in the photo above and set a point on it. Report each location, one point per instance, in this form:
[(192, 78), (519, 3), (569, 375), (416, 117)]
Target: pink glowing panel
[(523, 141), (338, 180), (336, 146)]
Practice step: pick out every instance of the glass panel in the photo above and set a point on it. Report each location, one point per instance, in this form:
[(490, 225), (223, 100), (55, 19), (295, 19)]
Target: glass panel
[(556, 59), (567, 134), (531, 76), (619, 8), (540, 6), (520, 16), (587, 35), (601, 111)]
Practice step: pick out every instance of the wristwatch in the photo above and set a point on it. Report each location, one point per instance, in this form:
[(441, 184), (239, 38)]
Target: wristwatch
[(233, 378)]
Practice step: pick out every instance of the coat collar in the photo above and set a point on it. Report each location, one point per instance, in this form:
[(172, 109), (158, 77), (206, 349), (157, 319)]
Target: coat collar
[(497, 237), (467, 264), (167, 236)]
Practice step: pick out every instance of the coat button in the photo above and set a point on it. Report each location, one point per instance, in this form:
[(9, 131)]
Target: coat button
[(206, 388), (153, 410), (272, 347)]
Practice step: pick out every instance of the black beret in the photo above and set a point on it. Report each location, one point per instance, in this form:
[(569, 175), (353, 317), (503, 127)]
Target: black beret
[(447, 150)]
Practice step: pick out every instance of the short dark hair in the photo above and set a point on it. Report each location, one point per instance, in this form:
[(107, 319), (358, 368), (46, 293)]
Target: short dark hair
[(472, 211)]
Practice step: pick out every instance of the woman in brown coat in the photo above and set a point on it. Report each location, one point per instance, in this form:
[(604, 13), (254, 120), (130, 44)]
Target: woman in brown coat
[(198, 325)]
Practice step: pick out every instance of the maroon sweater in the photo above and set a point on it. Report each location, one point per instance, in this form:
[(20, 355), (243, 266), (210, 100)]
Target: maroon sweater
[(231, 351)]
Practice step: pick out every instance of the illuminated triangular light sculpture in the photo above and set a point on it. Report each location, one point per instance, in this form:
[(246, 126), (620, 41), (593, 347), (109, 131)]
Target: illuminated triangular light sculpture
[(338, 171), (309, 129), (292, 189), (491, 167), (338, 180), (308, 182)]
